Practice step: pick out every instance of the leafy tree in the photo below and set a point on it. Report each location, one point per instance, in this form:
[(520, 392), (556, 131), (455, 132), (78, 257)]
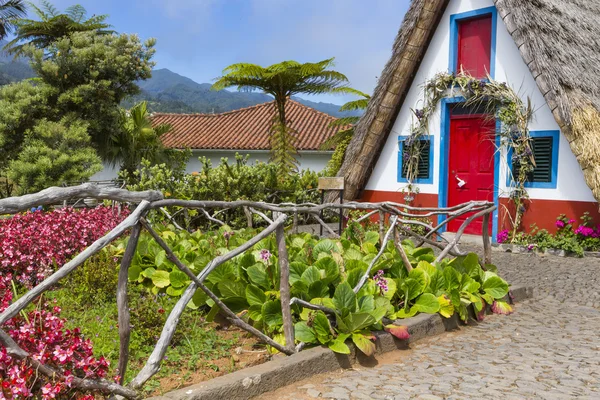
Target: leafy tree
[(54, 153), (53, 25), (283, 80), (10, 12), (82, 77), (342, 138), (139, 140)]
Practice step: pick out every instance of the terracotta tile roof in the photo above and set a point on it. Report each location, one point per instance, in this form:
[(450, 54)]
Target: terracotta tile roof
[(246, 128)]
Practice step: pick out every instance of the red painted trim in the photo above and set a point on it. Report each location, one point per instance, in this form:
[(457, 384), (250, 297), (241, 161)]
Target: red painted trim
[(543, 213), (421, 199)]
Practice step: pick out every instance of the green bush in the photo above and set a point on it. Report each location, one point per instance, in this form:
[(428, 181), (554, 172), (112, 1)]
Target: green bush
[(226, 182)]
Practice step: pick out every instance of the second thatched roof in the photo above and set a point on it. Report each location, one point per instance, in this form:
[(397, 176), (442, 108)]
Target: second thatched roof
[(559, 41)]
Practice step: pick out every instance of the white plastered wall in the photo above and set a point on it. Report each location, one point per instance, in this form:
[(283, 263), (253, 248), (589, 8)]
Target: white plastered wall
[(313, 160), (510, 68)]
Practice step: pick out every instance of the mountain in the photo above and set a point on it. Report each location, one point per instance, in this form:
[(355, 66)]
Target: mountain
[(168, 91), (13, 70)]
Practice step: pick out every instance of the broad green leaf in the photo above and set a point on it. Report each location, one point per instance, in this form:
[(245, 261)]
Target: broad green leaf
[(178, 279), (318, 289), (411, 288), (324, 246), (469, 285), (339, 345), (296, 271), (492, 268), (322, 327), (255, 295), (311, 275), (134, 273), (427, 267), (401, 314), (427, 303), (171, 291), (168, 235), (372, 237), (400, 331), (298, 242), (258, 275), (452, 278), (148, 272), (358, 321), (421, 277), (323, 301), (354, 276), (232, 289), (392, 288), (495, 286), (255, 312), (236, 304), (364, 344), (366, 304), (330, 268), (160, 258), (384, 304), (304, 333), (446, 307), (271, 312), (198, 300), (369, 248), (247, 260), (161, 279), (353, 254), (299, 289), (344, 297), (437, 283)]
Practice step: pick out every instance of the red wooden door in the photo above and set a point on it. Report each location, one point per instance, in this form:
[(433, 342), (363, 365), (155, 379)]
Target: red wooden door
[(475, 46), (471, 160)]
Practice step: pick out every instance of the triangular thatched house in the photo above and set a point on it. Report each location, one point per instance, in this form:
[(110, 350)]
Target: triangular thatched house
[(547, 50)]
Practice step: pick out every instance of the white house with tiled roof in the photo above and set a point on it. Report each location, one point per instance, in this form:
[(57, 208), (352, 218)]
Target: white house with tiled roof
[(244, 131)]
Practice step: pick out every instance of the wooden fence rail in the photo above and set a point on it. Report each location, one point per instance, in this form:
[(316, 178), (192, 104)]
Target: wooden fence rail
[(400, 217)]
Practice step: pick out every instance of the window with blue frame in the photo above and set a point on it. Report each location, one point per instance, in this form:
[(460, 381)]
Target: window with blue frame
[(425, 166), (545, 153)]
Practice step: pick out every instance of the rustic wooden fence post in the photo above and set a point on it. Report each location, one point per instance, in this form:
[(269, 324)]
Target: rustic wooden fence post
[(123, 303), (487, 245), (284, 288)]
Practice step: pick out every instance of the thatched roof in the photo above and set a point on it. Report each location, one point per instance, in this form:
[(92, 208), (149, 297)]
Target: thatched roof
[(559, 41)]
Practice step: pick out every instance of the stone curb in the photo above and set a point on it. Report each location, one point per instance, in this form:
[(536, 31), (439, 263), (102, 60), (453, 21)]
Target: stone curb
[(518, 249), (282, 370)]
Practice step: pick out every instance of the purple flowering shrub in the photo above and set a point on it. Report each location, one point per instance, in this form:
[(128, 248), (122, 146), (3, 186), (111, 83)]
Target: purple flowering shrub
[(34, 243), (570, 236)]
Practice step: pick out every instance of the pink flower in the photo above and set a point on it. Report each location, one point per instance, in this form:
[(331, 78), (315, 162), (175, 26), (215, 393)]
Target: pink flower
[(265, 255), (560, 223)]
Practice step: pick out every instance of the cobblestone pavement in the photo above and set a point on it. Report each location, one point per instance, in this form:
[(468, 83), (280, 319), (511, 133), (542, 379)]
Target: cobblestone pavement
[(548, 349)]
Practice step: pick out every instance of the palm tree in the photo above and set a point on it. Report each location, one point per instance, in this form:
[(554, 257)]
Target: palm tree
[(138, 140), (54, 25), (342, 138), (281, 81), (10, 12)]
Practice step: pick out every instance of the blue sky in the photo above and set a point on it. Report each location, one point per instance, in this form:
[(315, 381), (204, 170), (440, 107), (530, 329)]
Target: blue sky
[(198, 38)]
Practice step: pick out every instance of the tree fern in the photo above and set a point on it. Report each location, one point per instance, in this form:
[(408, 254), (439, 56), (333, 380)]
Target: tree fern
[(53, 25), (283, 80), (10, 12)]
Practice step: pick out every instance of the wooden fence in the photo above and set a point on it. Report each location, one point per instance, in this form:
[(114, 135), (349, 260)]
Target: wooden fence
[(399, 217)]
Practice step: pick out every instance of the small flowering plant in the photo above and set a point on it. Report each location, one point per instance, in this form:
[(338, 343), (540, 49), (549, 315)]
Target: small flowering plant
[(42, 333), (34, 243)]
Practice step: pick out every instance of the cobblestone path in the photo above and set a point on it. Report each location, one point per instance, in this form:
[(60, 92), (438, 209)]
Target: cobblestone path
[(548, 349)]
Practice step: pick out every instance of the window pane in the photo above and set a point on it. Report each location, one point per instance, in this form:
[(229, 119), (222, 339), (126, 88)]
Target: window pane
[(475, 46), (423, 166)]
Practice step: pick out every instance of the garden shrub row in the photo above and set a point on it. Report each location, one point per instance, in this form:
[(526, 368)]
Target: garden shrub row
[(322, 272), (571, 237)]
